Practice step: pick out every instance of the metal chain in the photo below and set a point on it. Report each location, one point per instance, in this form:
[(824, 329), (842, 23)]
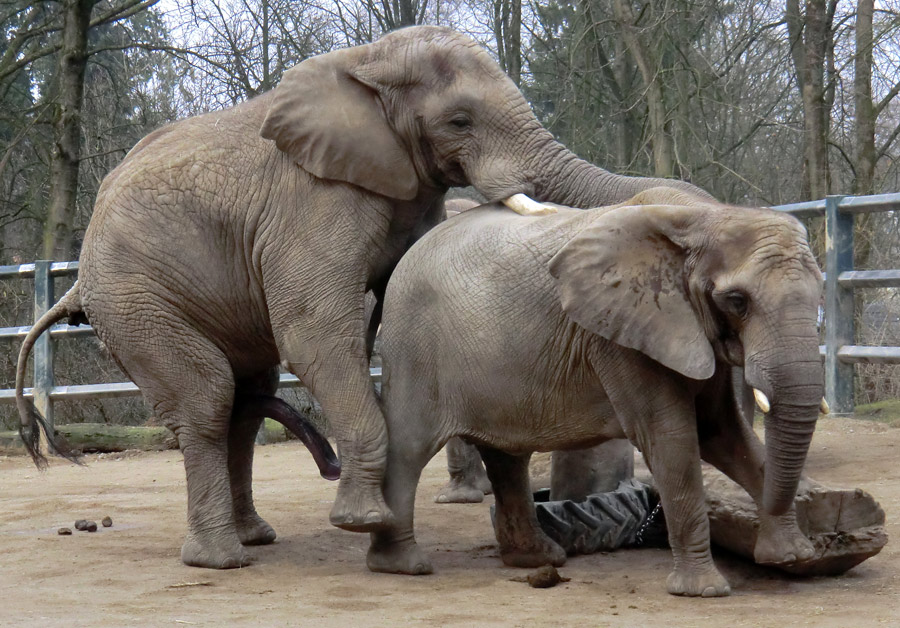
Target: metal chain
[(639, 535)]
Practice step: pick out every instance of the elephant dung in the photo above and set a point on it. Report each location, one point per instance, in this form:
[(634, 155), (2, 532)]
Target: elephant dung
[(846, 526)]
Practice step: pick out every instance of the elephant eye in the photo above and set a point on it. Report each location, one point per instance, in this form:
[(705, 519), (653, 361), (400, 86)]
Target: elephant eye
[(737, 302), (461, 121)]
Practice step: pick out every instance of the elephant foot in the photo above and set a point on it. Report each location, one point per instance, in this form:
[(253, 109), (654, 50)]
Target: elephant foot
[(545, 552), (254, 530), (359, 509), (482, 483), (698, 583), (221, 553), (403, 558), (779, 541), (465, 490), (457, 493)]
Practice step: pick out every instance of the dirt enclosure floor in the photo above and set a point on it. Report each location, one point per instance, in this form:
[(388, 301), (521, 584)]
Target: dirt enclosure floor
[(315, 575)]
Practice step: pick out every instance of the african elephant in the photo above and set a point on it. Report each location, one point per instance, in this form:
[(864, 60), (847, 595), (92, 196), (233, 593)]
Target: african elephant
[(627, 321), (235, 241), (576, 474)]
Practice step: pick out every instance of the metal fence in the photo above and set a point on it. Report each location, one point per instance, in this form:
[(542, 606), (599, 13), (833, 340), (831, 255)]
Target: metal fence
[(839, 351), (840, 280), (45, 392)]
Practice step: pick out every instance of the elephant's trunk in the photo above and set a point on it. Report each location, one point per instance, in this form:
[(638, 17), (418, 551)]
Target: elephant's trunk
[(559, 176), (796, 391), (789, 430)]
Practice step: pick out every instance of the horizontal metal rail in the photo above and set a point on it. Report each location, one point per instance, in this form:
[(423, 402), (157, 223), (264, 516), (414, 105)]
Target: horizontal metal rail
[(26, 271), (57, 331), (858, 354), (129, 389), (870, 278), (846, 205)]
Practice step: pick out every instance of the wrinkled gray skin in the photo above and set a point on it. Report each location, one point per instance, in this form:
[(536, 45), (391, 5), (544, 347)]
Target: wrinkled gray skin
[(563, 331), (575, 474), (228, 243), (468, 482)]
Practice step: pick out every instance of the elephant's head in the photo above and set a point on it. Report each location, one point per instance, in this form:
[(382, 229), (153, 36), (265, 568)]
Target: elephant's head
[(687, 285), (426, 106)]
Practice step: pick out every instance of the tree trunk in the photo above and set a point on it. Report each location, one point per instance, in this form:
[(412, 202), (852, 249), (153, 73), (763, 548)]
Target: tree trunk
[(810, 36), (616, 74), (508, 34), (65, 156), (862, 94), (663, 147)]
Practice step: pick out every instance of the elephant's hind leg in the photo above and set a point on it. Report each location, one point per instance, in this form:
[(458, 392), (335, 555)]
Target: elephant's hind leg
[(468, 481), (189, 384), (522, 542), (246, 419)]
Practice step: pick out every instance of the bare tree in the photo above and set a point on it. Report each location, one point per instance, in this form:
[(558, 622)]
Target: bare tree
[(66, 153), (812, 46), (508, 34)]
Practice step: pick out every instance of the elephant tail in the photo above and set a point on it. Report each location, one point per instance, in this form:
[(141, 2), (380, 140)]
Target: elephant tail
[(32, 424)]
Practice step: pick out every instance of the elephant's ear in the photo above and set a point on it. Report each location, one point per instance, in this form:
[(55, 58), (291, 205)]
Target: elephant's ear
[(623, 278), (334, 126)]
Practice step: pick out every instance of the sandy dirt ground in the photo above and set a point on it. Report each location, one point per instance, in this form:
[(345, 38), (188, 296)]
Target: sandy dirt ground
[(315, 575)]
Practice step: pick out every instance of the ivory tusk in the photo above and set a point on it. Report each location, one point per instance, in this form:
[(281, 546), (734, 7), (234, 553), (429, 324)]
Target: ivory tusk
[(526, 206), (823, 406), (761, 400)]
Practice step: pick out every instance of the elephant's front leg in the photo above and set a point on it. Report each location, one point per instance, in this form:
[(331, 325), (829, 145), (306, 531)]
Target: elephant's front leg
[(661, 421), (468, 481), (735, 450), (672, 453), (393, 549), (522, 542), (325, 347)]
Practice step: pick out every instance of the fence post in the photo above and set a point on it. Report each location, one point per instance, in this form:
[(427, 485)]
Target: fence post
[(43, 347), (838, 306)]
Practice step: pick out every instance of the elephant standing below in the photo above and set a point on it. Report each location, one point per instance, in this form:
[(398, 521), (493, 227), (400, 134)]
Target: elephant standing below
[(560, 332), (575, 474), (229, 243)]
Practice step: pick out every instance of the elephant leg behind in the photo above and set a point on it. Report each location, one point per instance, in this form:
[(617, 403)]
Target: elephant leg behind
[(576, 474), (468, 481), (522, 542), (412, 416)]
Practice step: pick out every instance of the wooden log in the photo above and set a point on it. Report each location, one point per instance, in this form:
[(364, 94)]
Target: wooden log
[(846, 526), (103, 438)]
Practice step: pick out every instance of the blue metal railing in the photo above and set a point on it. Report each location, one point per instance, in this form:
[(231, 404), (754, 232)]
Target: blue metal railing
[(840, 280)]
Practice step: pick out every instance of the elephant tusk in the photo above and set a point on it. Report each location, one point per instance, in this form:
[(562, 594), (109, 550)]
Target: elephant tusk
[(526, 206), (823, 406), (761, 400)]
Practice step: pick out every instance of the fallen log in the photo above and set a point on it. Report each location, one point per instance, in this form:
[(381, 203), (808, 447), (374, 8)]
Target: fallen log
[(103, 438), (846, 526)]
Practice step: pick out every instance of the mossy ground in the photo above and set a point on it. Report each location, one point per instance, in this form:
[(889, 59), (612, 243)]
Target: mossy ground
[(887, 412)]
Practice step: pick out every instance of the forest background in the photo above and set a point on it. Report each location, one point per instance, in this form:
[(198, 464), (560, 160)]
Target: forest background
[(760, 103)]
